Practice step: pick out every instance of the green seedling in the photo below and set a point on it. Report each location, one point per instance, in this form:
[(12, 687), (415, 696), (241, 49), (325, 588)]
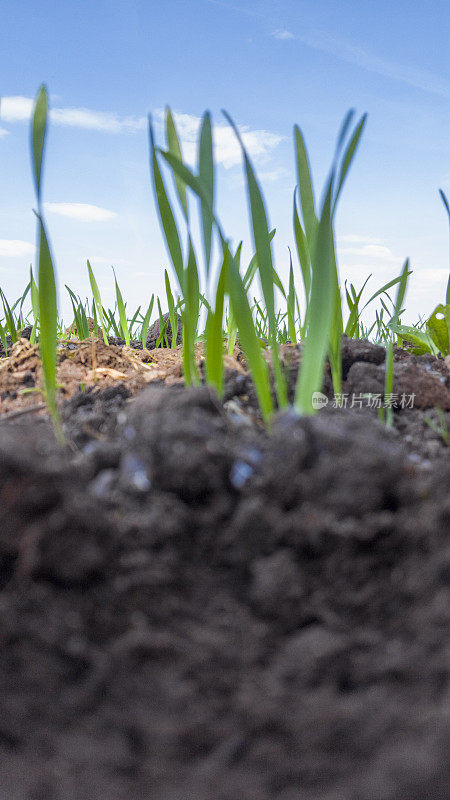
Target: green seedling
[(79, 316), (434, 339), (34, 292), (9, 317), (98, 302), (48, 313), (238, 297), (125, 333), (173, 317), (291, 302), (262, 244), (388, 417), (146, 322)]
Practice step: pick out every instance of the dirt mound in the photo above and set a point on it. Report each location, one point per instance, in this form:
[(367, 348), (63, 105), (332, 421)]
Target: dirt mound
[(195, 609)]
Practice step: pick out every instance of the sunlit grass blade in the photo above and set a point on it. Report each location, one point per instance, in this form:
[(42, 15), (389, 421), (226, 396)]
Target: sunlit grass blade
[(277, 282), (240, 307), (206, 176), (48, 318), (146, 322), (261, 239), (166, 215), (97, 299), (348, 157), (109, 315), (302, 253), (48, 312), (122, 313), (389, 361), (232, 326), (190, 316), (214, 332), (9, 318), (252, 268), (337, 324), (133, 321), (21, 301), (383, 289), (79, 318), (347, 121), (173, 146), (247, 337), (162, 340), (172, 313), (38, 134), (291, 303), (311, 372), (205, 303), (34, 293), (305, 185)]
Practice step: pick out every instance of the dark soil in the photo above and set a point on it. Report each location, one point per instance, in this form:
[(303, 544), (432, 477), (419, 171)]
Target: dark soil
[(192, 608)]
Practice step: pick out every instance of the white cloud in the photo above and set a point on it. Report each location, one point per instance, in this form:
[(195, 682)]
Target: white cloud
[(19, 109), (96, 120), (16, 248), (227, 151), (83, 212), (3, 132), (283, 34), (16, 109), (375, 251), (431, 275)]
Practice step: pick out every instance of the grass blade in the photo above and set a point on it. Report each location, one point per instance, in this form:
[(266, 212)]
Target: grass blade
[(305, 185), (247, 336), (214, 332), (348, 157), (38, 134), (206, 177), (97, 299), (48, 319), (291, 303), (389, 362), (122, 313), (173, 146), (190, 315), (302, 252), (261, 239), (166, 216), (146, 323), (172, 314), (9, 318), (310, 377), (34, 306)]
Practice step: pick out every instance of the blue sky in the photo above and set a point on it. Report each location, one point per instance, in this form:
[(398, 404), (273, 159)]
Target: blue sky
[(271, 64)]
